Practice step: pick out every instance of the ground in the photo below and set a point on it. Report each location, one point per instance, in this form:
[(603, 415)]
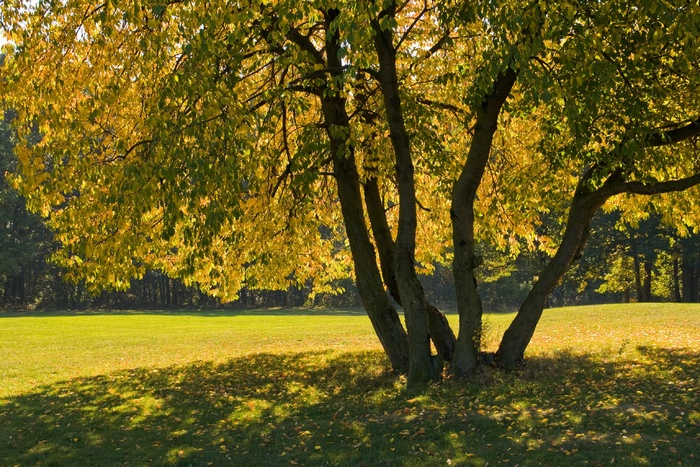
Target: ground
[(603, 385)]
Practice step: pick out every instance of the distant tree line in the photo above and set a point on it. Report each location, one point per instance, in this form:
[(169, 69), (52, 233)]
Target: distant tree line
[(622, 263)]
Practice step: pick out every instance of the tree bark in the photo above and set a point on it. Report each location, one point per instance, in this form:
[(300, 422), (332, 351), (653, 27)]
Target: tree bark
[(168, 296), (687, 278), (382, 314), (382, 235), (676, 281), (438, 327), (7, 293), (646, 290), (462, 215), (441, 333), (637, 276), (637, 265), (515, 340), (421, 368), (696, 280)]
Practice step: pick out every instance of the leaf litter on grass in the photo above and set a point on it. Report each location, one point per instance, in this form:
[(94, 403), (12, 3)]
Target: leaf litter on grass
[(342, 408)]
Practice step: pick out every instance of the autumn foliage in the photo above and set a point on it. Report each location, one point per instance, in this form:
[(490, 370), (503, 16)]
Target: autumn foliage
[(263, 144)]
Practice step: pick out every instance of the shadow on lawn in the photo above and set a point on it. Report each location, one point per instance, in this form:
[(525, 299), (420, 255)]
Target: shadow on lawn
[(330, 409)]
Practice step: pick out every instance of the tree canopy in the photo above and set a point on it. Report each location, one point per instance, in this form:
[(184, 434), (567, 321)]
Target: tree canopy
[(263, 144)]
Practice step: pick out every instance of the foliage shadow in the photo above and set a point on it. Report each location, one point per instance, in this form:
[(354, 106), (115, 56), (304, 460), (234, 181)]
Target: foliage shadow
[(325, 408)]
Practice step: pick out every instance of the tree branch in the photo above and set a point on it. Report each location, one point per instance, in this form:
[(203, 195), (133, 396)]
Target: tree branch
[(412, 25), (641, 188), (441, 105), (664, 138), (305, 44)]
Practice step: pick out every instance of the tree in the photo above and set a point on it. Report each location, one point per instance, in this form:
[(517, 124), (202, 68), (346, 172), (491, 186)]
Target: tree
[(240, 144), (622, 113), (25, 242)]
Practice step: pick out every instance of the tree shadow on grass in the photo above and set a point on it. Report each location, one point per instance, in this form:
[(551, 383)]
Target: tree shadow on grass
[(326, 408)]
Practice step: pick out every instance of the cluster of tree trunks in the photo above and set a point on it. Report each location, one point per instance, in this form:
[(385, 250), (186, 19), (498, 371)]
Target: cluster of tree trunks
[(409, 351)]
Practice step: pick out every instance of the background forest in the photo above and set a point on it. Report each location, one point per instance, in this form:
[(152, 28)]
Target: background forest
[(622, 262)]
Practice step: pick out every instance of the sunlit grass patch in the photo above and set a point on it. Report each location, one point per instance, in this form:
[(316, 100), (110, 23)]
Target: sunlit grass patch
[(43, 348)]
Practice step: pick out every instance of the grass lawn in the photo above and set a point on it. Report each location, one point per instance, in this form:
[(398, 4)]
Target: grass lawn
[(604, 385)]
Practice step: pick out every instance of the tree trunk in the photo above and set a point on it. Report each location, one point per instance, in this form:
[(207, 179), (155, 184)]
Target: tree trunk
[(441, 333), (638, 278), (420, 362), (646, 291), (7, 295), (382, 235), (515, 340), (696, 280), (438, 327), (79, 295), (161, 291), (462, 215), (168, 301), (583, 206), (637, 264), (676, 281), (687, 278), (176, 292), (382, 314)]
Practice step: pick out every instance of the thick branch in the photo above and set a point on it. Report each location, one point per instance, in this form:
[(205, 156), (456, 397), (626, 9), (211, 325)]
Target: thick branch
[(463, 218), (641, 188), (305, 44), (664, 138), (421, 367), (369, 282), (382, 235), (410, 28)]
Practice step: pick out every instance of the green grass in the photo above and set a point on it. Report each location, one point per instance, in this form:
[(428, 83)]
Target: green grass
[(39, 348), (603, 385)]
